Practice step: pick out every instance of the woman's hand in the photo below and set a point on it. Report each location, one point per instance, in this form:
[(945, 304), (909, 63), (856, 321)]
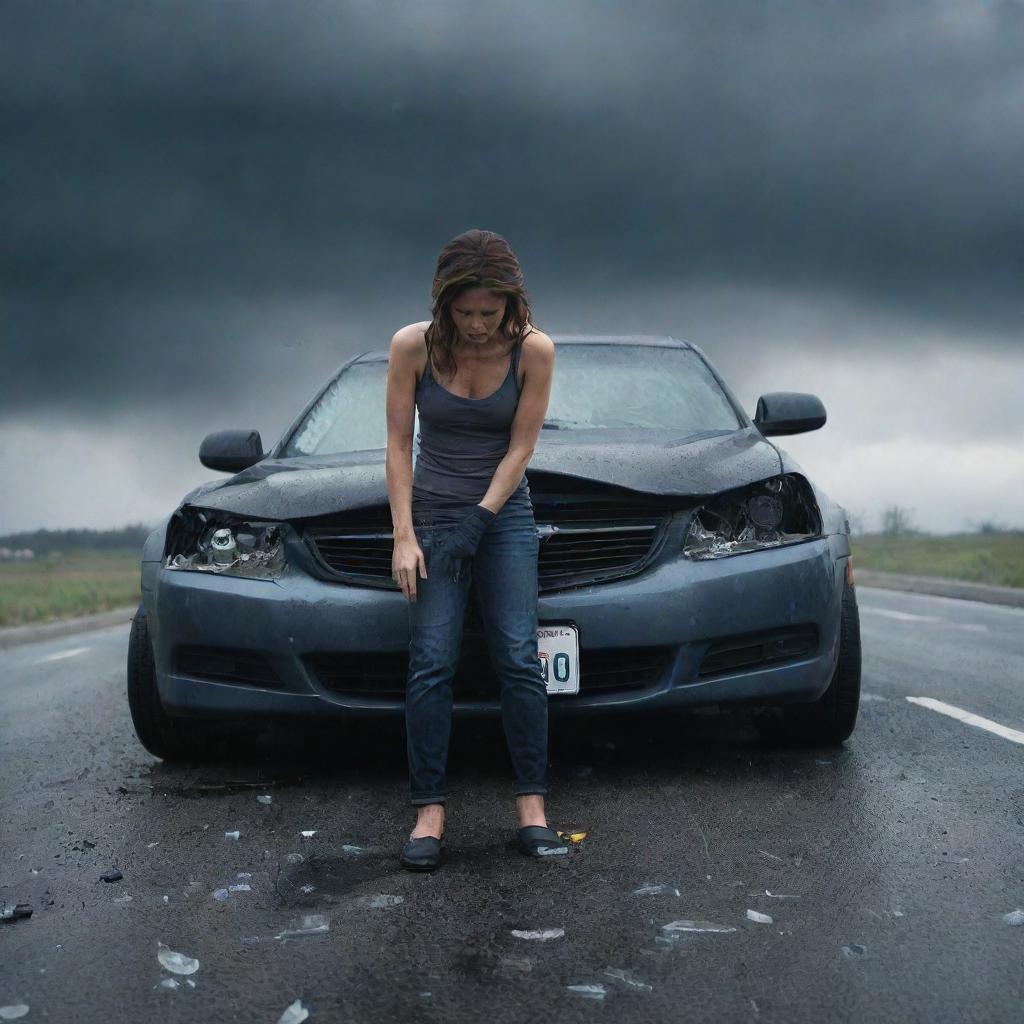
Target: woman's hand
[(465, 538), (406, 559), (461, 541)]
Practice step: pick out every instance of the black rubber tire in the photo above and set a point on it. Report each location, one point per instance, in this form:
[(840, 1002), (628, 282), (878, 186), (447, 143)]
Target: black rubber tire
[(830, 719), (168, 738)]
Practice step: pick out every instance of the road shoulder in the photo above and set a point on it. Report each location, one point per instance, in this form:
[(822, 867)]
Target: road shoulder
[(941, 586), (11, 636)]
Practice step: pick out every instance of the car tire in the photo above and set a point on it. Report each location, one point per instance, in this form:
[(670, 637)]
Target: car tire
[(830, 719), (165, 737)]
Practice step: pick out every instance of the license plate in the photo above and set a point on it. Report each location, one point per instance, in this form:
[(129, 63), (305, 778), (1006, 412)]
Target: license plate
[(558, 648)]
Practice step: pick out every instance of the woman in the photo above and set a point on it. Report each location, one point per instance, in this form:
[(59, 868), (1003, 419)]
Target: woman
[(480, 375)]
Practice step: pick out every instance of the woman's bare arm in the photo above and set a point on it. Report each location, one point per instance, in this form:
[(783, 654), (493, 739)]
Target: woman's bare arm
[(538, 359), (400, 411)]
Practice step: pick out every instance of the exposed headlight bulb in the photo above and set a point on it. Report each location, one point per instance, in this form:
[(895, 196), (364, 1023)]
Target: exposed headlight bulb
[(223, 547), (201, 540), (765, 511), (768, 514)]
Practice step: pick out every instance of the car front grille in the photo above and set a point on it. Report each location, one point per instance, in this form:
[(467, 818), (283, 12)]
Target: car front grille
[(593, 541), (369, 675), (590, 534)]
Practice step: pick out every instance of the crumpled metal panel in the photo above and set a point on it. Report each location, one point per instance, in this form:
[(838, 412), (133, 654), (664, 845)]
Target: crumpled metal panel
[(834, 517), (635, 459)]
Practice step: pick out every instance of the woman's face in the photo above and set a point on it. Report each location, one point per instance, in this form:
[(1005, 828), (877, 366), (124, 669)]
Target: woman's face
[(477, 314)]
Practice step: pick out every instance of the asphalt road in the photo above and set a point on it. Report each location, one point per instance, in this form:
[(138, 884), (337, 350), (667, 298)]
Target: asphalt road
[(887, 867)]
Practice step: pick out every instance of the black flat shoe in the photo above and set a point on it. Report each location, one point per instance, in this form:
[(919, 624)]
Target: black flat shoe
[(421, 854), (540, 841)]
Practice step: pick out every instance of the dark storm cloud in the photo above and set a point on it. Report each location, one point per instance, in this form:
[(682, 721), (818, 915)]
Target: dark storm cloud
[(188, 184)]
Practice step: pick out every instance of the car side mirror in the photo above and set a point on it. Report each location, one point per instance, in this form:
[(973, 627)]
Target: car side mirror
[(231, 450), (788, 412)]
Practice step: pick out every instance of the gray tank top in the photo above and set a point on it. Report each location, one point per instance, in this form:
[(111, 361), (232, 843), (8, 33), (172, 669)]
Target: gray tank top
[(461, 441)]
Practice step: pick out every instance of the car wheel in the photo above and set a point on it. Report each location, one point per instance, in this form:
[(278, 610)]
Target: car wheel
[(830, 719), (163, 736)]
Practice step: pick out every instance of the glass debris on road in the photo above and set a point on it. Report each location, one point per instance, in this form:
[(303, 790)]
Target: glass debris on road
[(653, 890), (176, 963), (687, 925), (539, 935), (589, 991), (381, 900), (311, 924), (627, 979), (15, 911), (294, 1014)]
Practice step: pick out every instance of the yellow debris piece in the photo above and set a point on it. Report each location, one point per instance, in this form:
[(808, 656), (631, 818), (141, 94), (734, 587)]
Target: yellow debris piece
[(572, 837)]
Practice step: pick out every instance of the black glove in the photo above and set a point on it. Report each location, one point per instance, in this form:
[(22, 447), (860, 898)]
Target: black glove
[(463, 539)]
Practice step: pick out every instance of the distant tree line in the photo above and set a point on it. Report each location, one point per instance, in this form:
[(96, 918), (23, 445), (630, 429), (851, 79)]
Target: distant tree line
[(44, 541), (898, 521)]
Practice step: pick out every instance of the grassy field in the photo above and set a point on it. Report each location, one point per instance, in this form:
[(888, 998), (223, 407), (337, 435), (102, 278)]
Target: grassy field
[(978, 557), (59, 586)]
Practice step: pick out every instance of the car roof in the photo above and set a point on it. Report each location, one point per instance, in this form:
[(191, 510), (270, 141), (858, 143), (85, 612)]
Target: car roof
[(651, 340)]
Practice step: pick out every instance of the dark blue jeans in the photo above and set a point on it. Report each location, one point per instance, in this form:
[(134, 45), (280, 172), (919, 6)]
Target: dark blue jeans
[(504, 572)]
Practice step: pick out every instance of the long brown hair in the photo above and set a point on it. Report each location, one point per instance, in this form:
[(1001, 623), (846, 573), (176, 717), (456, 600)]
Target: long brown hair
[(474, 259)]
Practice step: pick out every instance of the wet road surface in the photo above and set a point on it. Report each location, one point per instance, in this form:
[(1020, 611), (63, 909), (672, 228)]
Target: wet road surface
[(719, 880)]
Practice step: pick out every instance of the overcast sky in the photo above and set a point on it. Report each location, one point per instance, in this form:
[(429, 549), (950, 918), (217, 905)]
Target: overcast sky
[(208, 206)]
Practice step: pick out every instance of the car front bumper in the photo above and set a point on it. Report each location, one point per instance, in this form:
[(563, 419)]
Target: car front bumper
[(680, 605)]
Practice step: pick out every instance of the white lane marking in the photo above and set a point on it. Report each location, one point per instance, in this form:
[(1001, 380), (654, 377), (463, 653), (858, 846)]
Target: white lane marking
[(1015, 735), (890, 613), (61, 654)]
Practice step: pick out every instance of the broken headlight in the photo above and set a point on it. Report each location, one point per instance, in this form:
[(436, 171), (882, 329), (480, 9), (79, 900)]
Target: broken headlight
[(768, 514), (206, 541)]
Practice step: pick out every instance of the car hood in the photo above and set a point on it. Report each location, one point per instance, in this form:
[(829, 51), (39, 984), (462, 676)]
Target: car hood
[(650, 462)]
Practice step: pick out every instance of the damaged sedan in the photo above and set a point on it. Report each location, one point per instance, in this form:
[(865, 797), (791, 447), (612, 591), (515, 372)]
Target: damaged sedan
[(686, 561)]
